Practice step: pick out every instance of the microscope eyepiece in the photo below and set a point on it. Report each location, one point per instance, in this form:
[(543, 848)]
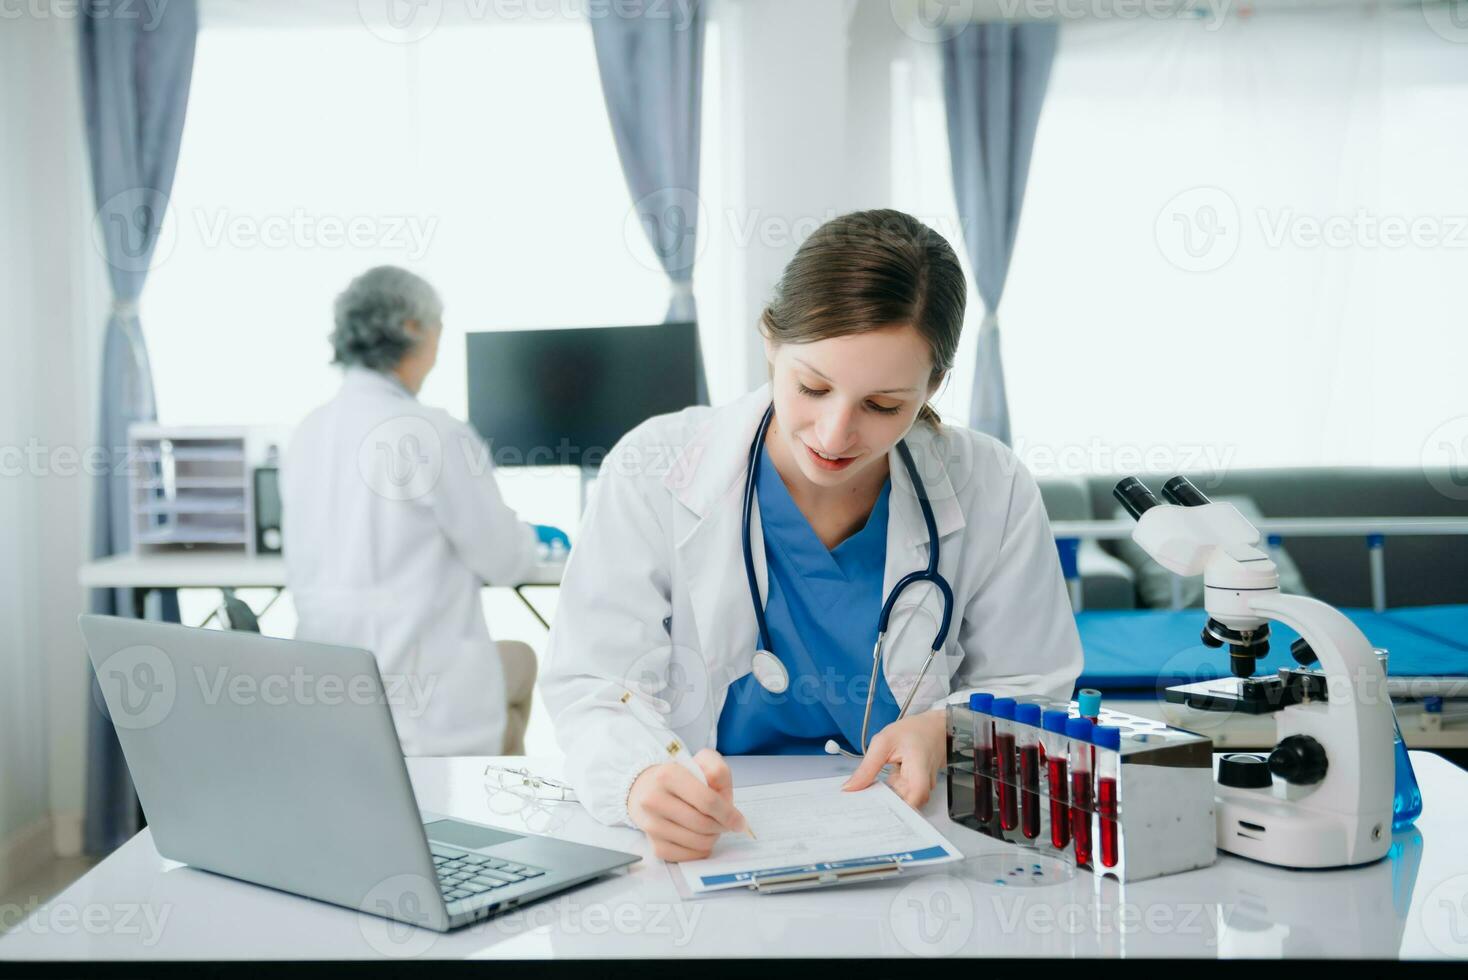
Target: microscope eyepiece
[(1134, 496), (1180, 490)]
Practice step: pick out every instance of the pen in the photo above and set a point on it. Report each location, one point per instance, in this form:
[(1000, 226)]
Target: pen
[(678, 754)]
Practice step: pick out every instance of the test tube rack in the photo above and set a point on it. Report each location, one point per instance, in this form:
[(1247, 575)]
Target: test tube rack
[(1165, 819)]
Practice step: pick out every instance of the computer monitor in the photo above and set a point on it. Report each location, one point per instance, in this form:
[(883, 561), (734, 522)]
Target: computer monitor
[(564, 397)]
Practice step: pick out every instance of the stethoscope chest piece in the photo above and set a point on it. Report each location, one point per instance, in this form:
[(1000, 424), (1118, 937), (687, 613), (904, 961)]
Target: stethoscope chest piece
[(770, 672)]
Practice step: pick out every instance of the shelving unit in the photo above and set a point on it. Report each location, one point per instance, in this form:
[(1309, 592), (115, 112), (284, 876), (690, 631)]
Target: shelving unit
[(192, 487)]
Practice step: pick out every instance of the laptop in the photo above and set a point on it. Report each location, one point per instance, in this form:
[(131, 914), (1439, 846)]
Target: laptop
[(276, 762)]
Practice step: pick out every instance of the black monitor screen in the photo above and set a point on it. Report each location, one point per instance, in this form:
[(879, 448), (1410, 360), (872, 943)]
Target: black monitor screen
[(564, 397)]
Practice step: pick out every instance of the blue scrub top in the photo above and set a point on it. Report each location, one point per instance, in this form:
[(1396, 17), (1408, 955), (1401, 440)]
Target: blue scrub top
[(822, 608)]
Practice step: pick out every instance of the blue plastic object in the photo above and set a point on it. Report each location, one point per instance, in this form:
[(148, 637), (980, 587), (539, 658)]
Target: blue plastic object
[(980, 702), (1106, 736), (1089, 701), (1027, 713), (1079, 728), (551, 537), (1054, 721), (1003, 708), (1406, 795)]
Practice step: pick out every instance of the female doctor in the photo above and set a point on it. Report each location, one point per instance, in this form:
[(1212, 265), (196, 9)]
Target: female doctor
[(733, 568)]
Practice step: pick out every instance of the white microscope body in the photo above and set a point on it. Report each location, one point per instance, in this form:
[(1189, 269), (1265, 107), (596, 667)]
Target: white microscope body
[(1328, 799)]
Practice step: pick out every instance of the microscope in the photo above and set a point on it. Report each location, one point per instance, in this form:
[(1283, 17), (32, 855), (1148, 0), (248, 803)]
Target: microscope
[(1323, 797)]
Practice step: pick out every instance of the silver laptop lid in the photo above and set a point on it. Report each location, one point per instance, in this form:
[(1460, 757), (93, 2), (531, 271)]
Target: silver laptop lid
[(274, 761)]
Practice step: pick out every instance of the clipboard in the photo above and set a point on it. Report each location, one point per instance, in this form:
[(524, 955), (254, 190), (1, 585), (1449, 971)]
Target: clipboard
[(812, 835)]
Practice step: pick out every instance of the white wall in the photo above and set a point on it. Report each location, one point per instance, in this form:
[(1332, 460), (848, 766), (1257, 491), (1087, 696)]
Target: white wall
[(52, 299), (809, 88)]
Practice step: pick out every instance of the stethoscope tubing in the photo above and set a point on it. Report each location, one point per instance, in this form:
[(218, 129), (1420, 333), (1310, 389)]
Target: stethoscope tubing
[(928, 574)]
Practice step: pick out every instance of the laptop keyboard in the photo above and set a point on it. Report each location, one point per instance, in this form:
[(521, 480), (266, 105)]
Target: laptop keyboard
[(464, 874)]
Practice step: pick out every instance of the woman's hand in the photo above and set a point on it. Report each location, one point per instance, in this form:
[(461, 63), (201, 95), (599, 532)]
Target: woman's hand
[(680, 815), (916, 745)]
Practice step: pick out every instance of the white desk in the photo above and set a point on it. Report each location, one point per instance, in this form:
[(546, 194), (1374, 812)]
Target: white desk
[(215, 570), (135, 905)]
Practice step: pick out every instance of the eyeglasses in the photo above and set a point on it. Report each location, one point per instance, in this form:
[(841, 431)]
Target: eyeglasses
[(534, 799), (524, 783)]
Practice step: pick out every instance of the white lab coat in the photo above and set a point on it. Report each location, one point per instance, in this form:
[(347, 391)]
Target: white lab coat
[(655, 601), (392, 522)]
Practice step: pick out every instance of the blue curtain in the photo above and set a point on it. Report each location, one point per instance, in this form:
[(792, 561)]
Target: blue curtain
[(135, 86), (650, 56), (994, 80)]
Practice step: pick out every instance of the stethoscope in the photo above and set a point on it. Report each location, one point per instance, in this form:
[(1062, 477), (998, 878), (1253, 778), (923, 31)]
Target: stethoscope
[(768, 669)]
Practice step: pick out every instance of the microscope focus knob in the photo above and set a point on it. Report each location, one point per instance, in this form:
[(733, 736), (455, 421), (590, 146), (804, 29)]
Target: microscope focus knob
[(1244, 770), (1299, 759)]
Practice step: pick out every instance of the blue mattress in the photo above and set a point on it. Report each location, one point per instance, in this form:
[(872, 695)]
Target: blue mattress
[(1147, 650)]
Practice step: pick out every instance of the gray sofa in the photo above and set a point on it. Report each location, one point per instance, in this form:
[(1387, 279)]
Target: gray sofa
[(1421, 570)]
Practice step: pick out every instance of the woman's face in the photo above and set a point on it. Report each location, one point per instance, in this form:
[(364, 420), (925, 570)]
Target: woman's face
[(843, 402)]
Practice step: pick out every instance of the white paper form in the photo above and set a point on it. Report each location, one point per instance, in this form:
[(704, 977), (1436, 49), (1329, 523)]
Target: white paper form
[(811, 825)]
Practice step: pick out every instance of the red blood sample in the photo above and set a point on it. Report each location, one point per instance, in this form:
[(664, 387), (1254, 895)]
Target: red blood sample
[(1082, 801), (1029, 781), (983, 783), (1008, 804), (1106, 794), (1059, 791)]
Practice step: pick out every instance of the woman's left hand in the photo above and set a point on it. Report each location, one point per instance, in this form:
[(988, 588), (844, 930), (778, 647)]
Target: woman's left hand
[(916, 746)]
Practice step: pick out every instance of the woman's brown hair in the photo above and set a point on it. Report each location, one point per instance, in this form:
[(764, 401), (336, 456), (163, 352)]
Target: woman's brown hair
[(870, 270)]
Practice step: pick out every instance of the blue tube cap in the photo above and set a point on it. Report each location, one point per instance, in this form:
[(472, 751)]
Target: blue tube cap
[(1106, 736), (1089, 701), (1003, 708), (1027, 713), (1054, 721), (1079, 728), (980, 702)]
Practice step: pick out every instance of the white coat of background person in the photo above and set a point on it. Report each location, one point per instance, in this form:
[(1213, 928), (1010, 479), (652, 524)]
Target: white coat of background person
[(655, 624), (393, 522)]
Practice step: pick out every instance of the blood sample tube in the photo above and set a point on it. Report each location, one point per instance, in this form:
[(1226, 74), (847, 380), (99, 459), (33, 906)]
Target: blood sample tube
[(1088, 704), (1027, 748), (1057, 784), (1082, 795), (1005, 777), (983, 721), (1107, 739)]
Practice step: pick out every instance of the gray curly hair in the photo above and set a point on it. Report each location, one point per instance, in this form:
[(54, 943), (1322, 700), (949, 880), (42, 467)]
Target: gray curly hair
[(372, 314)]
